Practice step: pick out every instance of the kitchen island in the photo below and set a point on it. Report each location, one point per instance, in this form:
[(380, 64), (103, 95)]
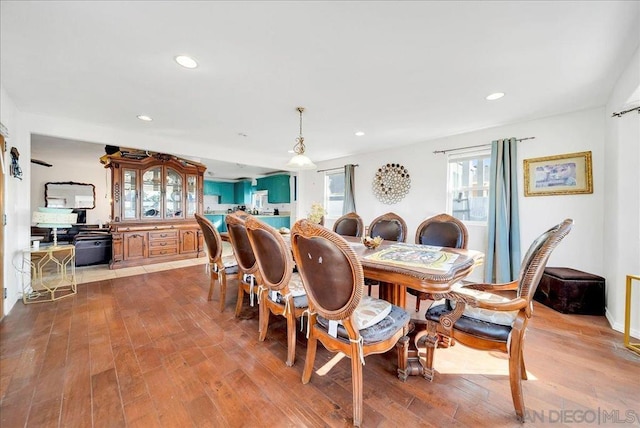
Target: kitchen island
[(277, 221)]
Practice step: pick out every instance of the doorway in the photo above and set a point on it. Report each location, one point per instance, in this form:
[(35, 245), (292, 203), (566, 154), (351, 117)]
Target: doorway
[(2, 174)]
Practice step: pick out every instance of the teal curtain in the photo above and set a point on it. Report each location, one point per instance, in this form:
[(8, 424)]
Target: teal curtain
[(349, 205), (502, 259)]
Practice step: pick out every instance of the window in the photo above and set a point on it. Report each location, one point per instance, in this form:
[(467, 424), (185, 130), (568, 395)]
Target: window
[(334, 193), (468, 186), (260, 199)]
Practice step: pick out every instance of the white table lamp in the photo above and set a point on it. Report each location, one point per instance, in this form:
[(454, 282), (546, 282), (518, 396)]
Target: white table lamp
[(54, 218)]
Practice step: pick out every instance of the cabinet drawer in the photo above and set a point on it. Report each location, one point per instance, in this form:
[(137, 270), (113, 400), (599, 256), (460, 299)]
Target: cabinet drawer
[(165, 234), (163, 251), (168, 243)]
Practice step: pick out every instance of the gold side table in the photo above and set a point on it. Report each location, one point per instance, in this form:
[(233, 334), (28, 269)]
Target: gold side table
[(53, 273), (635, 347)]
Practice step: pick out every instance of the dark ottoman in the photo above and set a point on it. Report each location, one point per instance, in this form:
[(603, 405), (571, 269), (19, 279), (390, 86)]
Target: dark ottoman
[(571, 291), (92, 249)]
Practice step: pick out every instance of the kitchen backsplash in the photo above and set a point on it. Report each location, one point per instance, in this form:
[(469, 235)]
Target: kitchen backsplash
[(211, 204)]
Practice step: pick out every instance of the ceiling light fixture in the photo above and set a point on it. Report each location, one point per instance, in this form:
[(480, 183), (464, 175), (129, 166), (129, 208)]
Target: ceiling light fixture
[(300, 161), (186, 61), (495, 96), (359, 134), (144, 117)]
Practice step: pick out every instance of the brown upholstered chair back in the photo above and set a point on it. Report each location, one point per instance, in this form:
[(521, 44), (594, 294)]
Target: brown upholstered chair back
[(272, 254), (330, 270), (442, 230), (390, 227), (535, 260), (211, 238), (349, 225), (240, 241)]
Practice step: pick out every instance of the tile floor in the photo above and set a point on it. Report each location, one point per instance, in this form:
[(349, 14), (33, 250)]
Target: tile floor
[(102, 272)]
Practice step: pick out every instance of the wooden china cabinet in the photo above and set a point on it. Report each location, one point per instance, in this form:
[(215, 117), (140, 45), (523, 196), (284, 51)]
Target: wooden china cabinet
[(154, 199)]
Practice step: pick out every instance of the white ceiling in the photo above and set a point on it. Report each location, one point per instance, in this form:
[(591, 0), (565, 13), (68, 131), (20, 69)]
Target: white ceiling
[(402, 72)]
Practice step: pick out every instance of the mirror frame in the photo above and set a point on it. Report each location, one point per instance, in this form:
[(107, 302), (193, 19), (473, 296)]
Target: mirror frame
[(73, 183)]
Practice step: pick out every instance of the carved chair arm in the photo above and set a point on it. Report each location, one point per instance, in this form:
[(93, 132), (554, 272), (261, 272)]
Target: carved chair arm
[(513, 285), (464, 298), (510, 305), (447, 321)]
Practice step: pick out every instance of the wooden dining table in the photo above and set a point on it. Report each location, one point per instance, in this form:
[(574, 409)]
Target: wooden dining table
[(410, 273)]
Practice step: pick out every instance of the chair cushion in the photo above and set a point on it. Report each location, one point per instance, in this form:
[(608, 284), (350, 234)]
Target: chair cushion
[(472, 326), (384, 329), (295, 285), (230, 264), (495, 317), (297, 291), (369, 311), (229, 261)]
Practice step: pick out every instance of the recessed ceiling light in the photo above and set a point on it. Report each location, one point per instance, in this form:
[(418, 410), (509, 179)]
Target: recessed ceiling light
[(186, 61), (144, 117), (359, 134), (495, 96)]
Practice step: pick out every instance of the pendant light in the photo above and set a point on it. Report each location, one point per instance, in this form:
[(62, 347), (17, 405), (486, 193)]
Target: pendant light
[(299, 160)]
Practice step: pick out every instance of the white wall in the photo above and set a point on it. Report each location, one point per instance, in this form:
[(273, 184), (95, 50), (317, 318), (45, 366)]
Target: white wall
[(567, 133), (67, 168), (622, 201), (17, 230)]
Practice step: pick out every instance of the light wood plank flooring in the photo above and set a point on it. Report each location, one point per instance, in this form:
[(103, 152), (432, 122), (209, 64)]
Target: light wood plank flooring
[(149, 350)]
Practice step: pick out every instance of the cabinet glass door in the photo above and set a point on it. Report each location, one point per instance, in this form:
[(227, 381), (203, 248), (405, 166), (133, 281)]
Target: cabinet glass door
[(151, 192), (173, 202), (192, 195), (129, 187)]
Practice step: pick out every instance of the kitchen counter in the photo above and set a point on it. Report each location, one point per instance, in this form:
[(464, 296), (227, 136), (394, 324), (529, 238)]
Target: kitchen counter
[(277, 221), (285, 214)]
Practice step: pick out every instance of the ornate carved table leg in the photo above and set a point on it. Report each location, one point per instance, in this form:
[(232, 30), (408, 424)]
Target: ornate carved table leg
[(403, 357)]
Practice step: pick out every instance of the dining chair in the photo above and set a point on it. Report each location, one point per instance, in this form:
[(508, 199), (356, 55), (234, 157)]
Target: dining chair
[(281, 291), (390, 227), (340, 317), (350, 224), (219, 266), (247, 265), (477, 317), (441, 230)]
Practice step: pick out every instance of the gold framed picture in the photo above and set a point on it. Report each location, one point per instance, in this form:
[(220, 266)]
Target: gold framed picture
[(566, 174)]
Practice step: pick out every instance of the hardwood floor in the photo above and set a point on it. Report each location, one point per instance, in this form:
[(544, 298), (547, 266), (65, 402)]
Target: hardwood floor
[(149, 350)]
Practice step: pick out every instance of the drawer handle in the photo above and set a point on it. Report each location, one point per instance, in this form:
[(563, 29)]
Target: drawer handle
[(162, 244), (163, 235)]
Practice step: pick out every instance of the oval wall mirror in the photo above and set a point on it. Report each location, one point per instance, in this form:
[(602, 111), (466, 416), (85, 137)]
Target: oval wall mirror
[(69, 194)]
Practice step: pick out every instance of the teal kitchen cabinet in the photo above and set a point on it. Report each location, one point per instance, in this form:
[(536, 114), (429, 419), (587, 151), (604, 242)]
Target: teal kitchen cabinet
[(278, 188), (242, 192), (223, 189), (210, 187), (276, 221), (263, 183), (218, 221), (226, 193)]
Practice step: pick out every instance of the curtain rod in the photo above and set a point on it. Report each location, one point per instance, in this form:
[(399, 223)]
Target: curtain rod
[(475, 147), (333, 169), (620, 113)]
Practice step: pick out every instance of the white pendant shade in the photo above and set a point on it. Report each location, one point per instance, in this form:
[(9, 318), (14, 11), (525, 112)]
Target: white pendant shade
[(301, 162)]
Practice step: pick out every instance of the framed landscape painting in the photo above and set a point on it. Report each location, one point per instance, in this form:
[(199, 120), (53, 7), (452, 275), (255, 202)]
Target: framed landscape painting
[(558, 175)]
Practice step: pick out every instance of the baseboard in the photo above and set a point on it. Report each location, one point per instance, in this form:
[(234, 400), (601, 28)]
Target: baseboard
[(619, 326)]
